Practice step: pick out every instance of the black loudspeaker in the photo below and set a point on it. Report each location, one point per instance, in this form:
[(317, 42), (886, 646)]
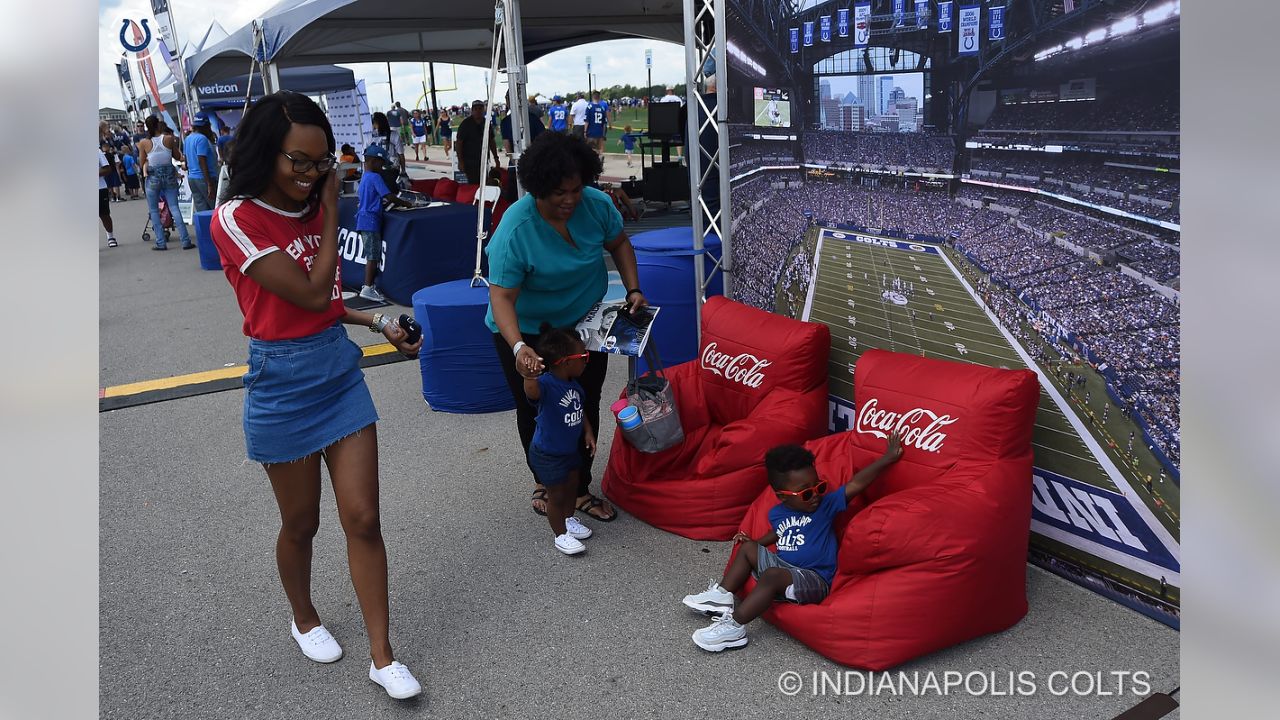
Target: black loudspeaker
[(666, 182), (664, 119)]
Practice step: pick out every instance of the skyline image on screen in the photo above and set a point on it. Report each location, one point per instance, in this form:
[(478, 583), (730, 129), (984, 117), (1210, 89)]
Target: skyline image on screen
[(882, 102)]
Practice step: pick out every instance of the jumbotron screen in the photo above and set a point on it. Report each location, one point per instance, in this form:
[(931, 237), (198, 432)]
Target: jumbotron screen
[(772, 108)]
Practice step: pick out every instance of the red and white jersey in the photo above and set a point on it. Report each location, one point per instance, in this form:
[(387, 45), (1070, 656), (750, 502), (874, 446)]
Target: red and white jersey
[(246, 229)]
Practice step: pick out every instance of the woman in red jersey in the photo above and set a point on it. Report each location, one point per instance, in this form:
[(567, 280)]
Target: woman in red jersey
[(305, 395)]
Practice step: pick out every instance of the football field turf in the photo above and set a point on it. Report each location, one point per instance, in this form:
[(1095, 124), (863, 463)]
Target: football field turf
[(880, 293), (762, 114)]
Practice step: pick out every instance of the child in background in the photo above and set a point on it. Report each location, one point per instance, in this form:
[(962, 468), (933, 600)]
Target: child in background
[(373, 190), (805, 563), (349, 156), (131, 182), (629, 142), (553, 452)]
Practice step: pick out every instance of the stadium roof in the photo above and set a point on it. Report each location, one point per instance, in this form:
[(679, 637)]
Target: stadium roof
[(316, 32)]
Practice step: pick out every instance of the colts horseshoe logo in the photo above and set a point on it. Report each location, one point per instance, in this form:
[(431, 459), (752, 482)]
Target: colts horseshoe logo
[(146, 36)]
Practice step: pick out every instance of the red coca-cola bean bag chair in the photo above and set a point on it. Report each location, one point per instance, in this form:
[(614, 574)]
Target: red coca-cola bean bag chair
[(426, 187), (934, 552), (760, 381), (466, 193)]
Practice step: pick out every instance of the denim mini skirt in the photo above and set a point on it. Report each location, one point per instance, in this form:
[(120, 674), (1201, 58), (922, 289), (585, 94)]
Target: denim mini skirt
[(303, 395)]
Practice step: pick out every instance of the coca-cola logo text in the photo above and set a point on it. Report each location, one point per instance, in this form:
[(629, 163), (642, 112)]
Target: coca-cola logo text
[(919, 428), (743, 368)]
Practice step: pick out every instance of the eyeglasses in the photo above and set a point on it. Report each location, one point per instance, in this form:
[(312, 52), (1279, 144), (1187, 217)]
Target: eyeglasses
[(806, 494), (301, 165), (567, 358)]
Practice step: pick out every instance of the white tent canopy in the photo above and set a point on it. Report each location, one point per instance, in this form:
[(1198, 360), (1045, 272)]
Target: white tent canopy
[(318, 32)]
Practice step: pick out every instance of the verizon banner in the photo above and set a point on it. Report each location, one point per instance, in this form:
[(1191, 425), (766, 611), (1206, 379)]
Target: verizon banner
[(969, 40)]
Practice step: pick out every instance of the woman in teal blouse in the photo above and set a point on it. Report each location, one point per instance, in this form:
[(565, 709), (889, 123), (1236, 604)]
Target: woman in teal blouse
[(546, 264)]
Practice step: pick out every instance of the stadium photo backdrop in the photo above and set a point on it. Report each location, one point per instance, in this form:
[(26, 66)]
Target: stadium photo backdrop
[(858, 202)]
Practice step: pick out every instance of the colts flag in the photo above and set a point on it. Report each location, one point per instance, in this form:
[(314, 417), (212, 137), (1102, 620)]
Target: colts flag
[(969, 40), (795, 40), (995, 18), (808, 33), (842, 22), (944, 16), (824, 28), (899, 11), (861, 24), (922, 14)]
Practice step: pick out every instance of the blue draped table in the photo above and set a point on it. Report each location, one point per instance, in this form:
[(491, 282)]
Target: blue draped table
[(421, 247)]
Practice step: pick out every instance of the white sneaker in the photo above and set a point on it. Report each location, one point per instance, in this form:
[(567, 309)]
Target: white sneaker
[(715, 601), (369, 292), (723, 632), (575, 528), (396, 680), (317, 643), (569, 544)]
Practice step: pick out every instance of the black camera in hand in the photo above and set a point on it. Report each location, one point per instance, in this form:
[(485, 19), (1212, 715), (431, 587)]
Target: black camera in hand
[(412, 330)]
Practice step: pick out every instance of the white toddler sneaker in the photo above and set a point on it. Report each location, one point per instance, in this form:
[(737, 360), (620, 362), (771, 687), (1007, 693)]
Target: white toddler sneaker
[(396, 680), (574, 527), (714, 601), (317, 643), (569, 544)]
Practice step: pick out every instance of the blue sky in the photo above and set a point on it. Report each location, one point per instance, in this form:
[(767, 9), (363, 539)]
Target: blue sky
[(614, 62)]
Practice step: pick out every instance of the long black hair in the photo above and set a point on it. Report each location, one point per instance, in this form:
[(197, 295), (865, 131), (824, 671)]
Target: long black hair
[(260, 140)]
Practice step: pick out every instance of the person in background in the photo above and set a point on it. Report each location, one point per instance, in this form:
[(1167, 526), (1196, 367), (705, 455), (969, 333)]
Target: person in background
[(535, 126), (224, 173), (349, 156), (202, 162), (671, 96), (383, 135), (104, 198), (224, 137), (597, 123), (559, 115), (469, 142), (418, 127), (372, 193), (158, 150), (131, 181), (446, 132), (397, 121), (306, 402), (113, 178), (629, 142), (579, 113)]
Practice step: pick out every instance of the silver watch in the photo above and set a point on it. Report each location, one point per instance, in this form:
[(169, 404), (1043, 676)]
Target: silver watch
[(380, 322)]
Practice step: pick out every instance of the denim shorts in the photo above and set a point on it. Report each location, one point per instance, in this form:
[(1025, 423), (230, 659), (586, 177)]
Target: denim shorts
[(372, 245), (303, 395), (552, 469)]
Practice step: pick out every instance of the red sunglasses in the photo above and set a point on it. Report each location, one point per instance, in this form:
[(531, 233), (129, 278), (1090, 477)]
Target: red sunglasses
[(567, 358), (806, 494)]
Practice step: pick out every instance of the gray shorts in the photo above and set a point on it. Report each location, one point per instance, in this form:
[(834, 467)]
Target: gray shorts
[(807, 585), (372, 245)]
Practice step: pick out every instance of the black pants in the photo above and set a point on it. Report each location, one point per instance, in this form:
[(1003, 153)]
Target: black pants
[(592, 382)]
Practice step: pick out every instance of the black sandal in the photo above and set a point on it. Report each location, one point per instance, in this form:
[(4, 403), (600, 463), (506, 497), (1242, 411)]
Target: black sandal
[(539, 494), (592, 502)]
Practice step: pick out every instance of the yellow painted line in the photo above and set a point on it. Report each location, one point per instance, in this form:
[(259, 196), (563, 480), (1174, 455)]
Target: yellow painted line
[(209, 376)]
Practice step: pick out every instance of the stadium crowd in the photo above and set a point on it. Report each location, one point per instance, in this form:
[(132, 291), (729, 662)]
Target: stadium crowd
[(915, 150), (1134, 109), (754, 153)]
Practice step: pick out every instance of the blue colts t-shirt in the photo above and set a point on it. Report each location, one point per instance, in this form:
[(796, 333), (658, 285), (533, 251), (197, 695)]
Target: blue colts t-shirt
[(419, 126), (369, 214), (807, 540), (629, 141), (559, 117), (559, 429)]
